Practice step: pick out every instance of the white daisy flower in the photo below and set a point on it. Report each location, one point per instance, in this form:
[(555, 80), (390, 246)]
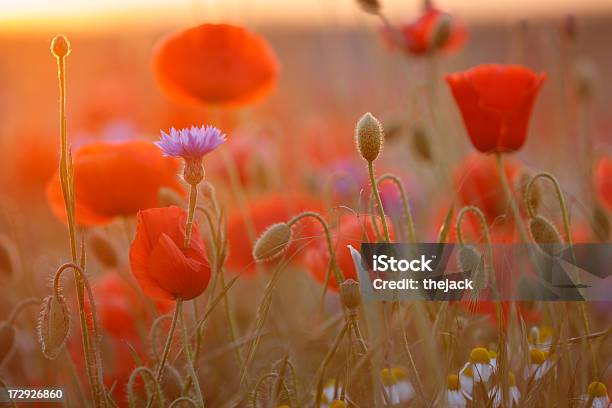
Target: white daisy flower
[(513, 397), (598, 394), (398, 388)]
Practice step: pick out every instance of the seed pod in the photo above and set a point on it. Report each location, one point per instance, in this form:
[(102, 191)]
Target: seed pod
[(60, 46), (420, 144), (168, 197), (544, 233), (7, 340), (53, 325), (369, 136), (601, 224), (103, 250), (272, 243), (369, 6), (350, 294)]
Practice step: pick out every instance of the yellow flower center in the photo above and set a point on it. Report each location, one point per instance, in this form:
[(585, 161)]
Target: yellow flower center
[(597, 389), (512, 379), (338, 404), (480, 355), (537, 356), (492, 354), (388, 377), (453, 382), (545, 333)]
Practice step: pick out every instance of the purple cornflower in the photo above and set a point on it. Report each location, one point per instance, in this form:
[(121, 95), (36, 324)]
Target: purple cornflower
[(190, 143)]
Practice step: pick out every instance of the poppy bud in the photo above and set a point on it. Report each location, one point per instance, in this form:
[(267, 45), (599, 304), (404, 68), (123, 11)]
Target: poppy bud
[(569, 27), (369, 136), (60, 46), (471, 261), (193, 172), (7, 340), (350, 294), (420, 144), (369, 6), (272, 243), (53, 325), (544, 232), (103, 250), (601, 224)]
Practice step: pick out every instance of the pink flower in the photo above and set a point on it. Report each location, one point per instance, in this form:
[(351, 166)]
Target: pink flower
[(190, 143)]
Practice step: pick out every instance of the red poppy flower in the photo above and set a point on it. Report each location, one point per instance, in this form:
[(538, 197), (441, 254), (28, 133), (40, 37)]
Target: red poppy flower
[(115, 179), (420, 36), (477, 183), (161, 265), (265, 211), (495, 102), (603, 181), (350, 230), (215, 64)]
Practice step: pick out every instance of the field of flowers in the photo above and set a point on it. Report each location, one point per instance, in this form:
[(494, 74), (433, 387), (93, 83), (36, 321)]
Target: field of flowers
[(177, 206)]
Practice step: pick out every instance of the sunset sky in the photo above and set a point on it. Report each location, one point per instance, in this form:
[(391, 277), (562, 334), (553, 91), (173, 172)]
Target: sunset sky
[(108, 14)]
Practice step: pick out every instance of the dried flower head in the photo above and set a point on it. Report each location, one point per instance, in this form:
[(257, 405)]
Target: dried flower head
[(53, 325), (369, 6), (350, 294), (273, 242), (369, 136), (60, 46), (103, 250), (7, 340)]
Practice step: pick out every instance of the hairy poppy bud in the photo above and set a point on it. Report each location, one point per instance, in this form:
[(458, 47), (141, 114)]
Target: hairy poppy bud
[(349, 294), (369, 6), (53, 325), (369, 136), (103, 250), (272, 243), (60, 46), (7, 340), (441, 32), (544, 232), (535, 198)]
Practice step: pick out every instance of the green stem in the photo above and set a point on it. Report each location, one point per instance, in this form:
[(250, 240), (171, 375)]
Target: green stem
[(405, 203), (381, 211), (193, 198), (510, 198), (189, 357), (164, 357)]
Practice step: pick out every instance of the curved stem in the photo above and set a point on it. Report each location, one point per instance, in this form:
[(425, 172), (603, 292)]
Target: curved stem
[(20, 307), (381, 210), (405, 203), (330, 246), (510, 198), (193, 198), (568, 237), (130, 387)]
